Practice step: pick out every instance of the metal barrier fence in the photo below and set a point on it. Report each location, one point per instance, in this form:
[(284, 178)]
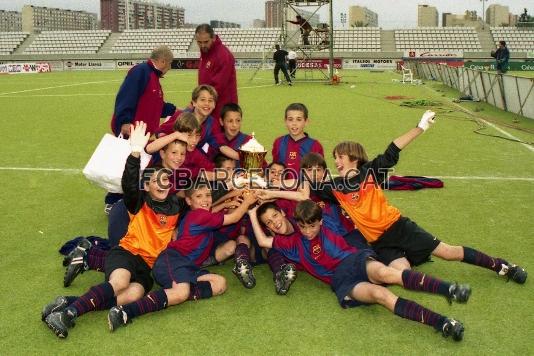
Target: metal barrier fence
[(507, 92)]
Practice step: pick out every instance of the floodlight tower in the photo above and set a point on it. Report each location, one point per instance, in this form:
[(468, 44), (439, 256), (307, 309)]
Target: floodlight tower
[(321, 37)]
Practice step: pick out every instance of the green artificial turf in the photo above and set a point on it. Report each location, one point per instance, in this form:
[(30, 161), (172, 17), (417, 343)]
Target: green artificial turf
[(487, 203)]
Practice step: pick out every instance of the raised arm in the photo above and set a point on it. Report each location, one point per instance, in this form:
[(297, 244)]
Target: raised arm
[(229, 152), (130, 176), (161, 142), (426, 120), (263, 240), (249, 198), (303, 193)]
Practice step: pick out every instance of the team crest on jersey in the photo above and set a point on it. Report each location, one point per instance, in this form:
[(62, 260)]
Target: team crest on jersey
[(292, 155), (316, 250), (208, 64), (321, 204), (354, 196), (163, 220)]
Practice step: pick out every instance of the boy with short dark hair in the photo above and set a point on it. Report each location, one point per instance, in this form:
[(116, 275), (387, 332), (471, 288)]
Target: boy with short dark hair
[(177, 268), (231, 138), (354, 275), (154, 215), (290, 149), (398, 241), (195, 160)]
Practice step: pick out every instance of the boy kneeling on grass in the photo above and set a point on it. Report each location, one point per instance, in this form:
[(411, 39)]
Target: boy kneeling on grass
[(154, 216), (354, 275)]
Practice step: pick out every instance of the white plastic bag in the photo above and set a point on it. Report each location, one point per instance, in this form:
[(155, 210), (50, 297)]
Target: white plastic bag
[(106, 165)]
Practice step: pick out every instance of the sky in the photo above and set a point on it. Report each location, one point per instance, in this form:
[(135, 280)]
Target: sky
[(391, 13)]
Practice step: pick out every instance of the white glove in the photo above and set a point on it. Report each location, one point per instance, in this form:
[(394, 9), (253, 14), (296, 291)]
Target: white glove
[(138, 138), (426, 120)]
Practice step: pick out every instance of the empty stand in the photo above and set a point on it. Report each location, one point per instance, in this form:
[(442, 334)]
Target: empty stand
[(70, 42), (358, 39), (518, 40), (9, 41), (144, 41), (249, 40), (438, 38)]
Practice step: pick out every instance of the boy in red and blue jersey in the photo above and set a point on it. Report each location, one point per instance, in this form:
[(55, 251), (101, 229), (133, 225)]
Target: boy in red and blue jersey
[(231, 139), (290, 149), (187, 127), (177, 268), (203, 100), (354, 275)]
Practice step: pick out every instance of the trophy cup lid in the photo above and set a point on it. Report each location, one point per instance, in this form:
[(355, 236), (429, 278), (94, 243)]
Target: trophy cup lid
[(253, 145)]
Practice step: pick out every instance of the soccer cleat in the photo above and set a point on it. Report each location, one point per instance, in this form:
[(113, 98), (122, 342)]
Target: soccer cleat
[(243, 272), (78, 262), (289, 83), (83, 244), (453, 328), (117, 317), (459, 293), (514, 272), (59, 304), (60, 322), (210, 261), (284, 278)]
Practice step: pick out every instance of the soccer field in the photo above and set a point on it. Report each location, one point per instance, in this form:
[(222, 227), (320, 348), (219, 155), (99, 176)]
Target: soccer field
[(52, 123)]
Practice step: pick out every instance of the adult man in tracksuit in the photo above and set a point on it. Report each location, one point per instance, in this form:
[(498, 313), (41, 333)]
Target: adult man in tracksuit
[(217, 67), (140, 98)]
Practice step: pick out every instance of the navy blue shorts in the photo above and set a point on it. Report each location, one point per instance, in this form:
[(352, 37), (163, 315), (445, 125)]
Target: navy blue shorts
[(118, 221), (218, 239), (171, 266), (348, 274)]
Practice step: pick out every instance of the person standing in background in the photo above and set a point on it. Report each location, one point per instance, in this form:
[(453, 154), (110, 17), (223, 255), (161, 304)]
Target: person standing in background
[(502, 56), (217, 67), (292, 63), (279, 58)]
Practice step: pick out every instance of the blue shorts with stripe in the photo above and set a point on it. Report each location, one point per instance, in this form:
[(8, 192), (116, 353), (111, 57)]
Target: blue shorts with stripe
[(171, 266), (351, 271)]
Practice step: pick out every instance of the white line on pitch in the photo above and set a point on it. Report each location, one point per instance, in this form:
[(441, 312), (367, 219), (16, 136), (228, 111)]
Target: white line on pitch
[(37, 169), (6, 95), (526, 179), (531, 148), (54, 95), (60, 86)]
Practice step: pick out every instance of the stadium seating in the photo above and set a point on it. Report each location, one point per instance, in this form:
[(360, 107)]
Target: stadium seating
[(358, 39), (70, 42), (9, 41), (249, 40), (144, 41), (438, 38), (517, 40)]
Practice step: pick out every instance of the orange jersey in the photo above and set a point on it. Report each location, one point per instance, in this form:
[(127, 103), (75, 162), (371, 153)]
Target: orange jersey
[(148, 233), (369, 210)]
